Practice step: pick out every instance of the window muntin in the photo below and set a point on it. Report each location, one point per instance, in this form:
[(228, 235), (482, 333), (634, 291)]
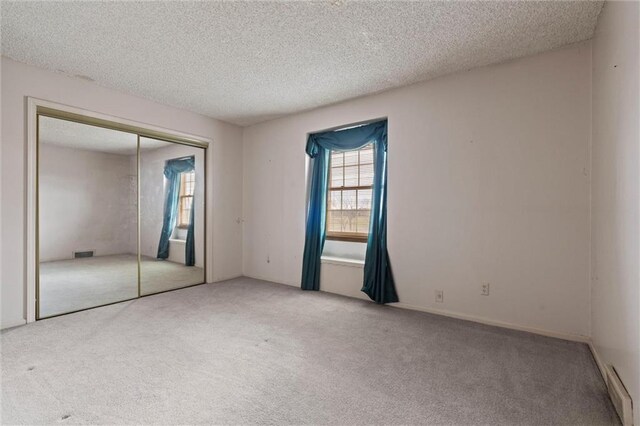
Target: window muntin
[(349, 195), (185, 199)]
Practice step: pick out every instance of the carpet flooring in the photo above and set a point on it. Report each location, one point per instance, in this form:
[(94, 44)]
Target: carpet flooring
[(247, 351), (71, 285)]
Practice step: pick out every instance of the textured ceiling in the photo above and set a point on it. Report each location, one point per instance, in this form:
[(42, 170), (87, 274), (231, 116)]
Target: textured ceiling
[(68, 134), (246, 62)]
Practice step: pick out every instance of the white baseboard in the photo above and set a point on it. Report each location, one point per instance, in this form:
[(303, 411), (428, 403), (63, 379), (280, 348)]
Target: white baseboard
[(481, 320), (219, 280), (599, 361), (496, 323), (257, 277), (13, 323)]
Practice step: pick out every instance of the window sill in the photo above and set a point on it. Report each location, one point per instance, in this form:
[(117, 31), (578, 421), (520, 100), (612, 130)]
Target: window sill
[(342, 261), (350, 239), (177, 240)]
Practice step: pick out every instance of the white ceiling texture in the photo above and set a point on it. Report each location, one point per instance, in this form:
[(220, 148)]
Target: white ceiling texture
[(246, 62)]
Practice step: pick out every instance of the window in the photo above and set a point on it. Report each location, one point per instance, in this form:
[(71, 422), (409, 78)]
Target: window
[(349, 197), (185, 200)]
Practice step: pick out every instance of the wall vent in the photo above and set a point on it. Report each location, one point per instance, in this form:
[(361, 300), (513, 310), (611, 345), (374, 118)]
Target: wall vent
[(619, 396), (81, 254)]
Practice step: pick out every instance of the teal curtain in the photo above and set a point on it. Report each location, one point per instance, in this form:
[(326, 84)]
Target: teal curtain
[(316, 218), (190, 249), (172, 170), (378, 279)]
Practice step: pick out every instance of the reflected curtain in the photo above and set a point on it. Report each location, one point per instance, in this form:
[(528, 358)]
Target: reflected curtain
[(172, 170), (378, 280), (190, 249)]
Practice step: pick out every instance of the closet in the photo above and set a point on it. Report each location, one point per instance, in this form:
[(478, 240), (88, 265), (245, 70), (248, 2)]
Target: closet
[(120, 213)]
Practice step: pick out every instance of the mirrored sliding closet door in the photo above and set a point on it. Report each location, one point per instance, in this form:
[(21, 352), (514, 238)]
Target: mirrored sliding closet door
[(87, 216), (171, 215), (120, 215)]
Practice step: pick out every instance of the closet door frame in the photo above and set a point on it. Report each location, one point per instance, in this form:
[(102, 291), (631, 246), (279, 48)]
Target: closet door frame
[(40, 107)]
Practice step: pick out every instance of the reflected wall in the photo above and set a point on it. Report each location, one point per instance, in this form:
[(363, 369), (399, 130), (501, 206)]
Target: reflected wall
[(119, 216), (87, 216)]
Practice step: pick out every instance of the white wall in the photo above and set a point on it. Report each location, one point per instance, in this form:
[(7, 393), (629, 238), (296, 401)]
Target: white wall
[(87, 202), (488, 182), (152, 194), (615, 223), (224, 173), (345, 249)]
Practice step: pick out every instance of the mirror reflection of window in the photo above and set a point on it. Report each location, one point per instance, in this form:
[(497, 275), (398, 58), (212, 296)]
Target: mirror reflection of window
[(172, 191), (187, 186)]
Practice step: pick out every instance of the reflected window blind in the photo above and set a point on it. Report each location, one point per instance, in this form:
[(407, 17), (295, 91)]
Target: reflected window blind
[(185, 202)]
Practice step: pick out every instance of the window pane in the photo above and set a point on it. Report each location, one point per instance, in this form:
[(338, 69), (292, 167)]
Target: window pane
[(335, 200), (184, 214), (364, 199), (362, 226), (349, 200), (349, 211), (337, 159), (349, 219), (366, 155), (190, 182), (351, 176), (336, 178), (187, 183), (334, 221), (183, 217), (351, 158), (366, 174)]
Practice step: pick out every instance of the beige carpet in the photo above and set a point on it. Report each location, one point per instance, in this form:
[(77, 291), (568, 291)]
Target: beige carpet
[(251, 352), (72, 285)]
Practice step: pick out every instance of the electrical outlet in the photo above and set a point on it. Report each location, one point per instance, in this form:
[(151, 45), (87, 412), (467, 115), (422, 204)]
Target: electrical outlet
[(439, 296), (485, 289)]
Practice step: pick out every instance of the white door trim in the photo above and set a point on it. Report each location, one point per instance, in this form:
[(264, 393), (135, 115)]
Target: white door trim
[(32, 202)]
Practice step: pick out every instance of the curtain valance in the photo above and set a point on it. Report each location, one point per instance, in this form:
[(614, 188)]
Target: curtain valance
[(348, 139), (179, 165)]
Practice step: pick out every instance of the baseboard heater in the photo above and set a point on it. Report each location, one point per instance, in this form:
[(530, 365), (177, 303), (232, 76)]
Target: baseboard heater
[(81, 254), (619, 396)]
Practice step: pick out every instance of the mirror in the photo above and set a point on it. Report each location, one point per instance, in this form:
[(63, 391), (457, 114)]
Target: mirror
[(172, 215), (120, 215), (87, 216)]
